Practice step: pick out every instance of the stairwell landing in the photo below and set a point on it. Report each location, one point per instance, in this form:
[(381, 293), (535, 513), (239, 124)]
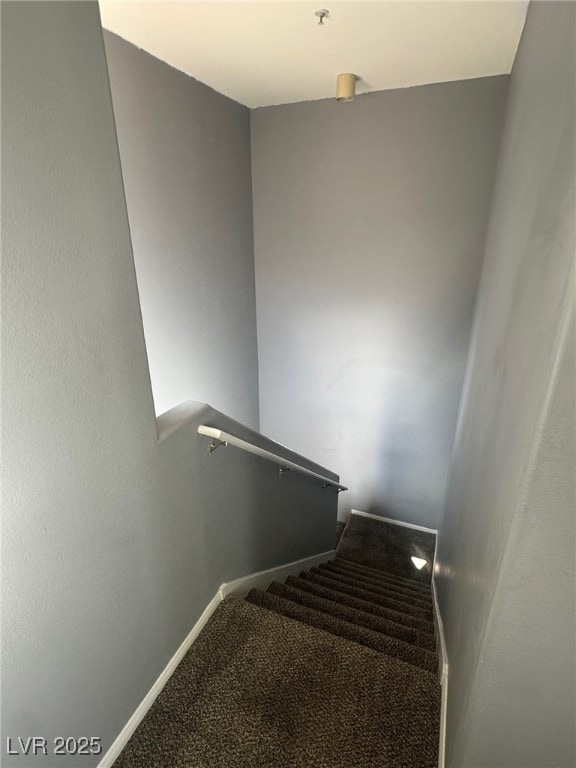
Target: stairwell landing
[(334, 668)]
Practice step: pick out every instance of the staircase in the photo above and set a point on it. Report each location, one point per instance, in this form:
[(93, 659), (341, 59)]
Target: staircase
[(334, 668), (369, 608)]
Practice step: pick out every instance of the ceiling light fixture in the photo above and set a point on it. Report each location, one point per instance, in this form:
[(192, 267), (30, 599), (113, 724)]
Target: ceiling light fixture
[(346, 87), (419, 562)]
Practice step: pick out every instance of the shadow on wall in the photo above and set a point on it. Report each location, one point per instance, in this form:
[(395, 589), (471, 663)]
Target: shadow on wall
[(416, 434), (396, 459)]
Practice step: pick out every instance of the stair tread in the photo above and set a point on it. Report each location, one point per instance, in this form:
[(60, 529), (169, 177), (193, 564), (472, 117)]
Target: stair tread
[(391, 646), (285, 694), (377, 572), (364, 605), (377, 595), (403, 594), (386, 578), (359, 617)]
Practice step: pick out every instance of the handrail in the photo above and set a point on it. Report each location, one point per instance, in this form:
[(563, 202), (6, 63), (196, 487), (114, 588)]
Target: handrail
[(223, 438)]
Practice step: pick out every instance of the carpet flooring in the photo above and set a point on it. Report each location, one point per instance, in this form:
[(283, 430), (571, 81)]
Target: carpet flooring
[(335, 668), (387, 547)]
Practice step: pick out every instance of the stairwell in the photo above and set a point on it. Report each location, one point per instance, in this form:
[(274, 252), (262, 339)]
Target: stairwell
[(336, 667)]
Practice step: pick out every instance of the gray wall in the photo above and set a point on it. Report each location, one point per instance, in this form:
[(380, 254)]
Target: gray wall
[(185, 153), (113, 541), (506, 546), (369, 227)]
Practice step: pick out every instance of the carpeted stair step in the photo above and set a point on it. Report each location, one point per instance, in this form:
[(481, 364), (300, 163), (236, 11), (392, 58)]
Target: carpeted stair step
[(388, 578), (366, 606), (383, 577), (403, 594), (382, 589), (364, 594), (380, 596), (353, 615), (421, 585), (398, 649), (419, 594), (259, 689), (384, 546), (333, 669)]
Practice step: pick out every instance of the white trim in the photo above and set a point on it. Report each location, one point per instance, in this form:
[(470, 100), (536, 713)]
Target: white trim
[(394, 522), (236, 587), (125, 734), (242, 586), (228, 439), (439, 624), (443, 665), (443, 670)]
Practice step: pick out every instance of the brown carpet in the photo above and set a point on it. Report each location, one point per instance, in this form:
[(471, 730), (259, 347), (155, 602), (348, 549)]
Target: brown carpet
[(360, 618), (386, 578), (259, 690), (336, 668), (387, 547), (351, 586), (349, 596), (384, 588), (379, 641)]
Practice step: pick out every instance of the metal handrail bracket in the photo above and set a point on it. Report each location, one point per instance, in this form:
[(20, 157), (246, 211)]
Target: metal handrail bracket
[(223, 438)]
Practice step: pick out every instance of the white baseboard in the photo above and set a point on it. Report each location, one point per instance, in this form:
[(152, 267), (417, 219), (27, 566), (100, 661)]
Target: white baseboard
[(394, 522), (124, 736), (242, 586), (237, 587), (443, 716), (443, 672)]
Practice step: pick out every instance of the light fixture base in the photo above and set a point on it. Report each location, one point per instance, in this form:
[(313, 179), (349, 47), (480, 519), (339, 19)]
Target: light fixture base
[(346, 87)]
